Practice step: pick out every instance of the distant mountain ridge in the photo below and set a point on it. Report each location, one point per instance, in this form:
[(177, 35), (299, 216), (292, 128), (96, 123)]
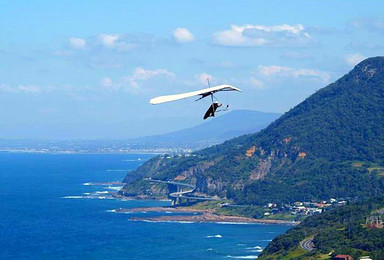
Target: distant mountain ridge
[(330, 145), (215, 130)]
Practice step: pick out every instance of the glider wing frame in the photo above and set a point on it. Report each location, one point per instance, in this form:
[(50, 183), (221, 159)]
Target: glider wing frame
[(203, 93)]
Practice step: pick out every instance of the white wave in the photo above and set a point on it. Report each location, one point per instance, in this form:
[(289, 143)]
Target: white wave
[(79, 197), (130, 212), (236, 223), (181, 222), (104, 198), (131, 160), (216, 236), (87, 183), (111, 211), (114, 188), (243, 256), (74, 197), (119, 211), (255, 250), (255, 247), (88, 197), (101, 192), (87, 193), (167, 221), (122, 212)]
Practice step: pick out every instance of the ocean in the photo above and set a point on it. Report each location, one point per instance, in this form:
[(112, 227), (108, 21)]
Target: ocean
[(48, 211)]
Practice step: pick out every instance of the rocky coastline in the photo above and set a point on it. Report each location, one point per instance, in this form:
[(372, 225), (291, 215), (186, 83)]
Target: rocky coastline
[(197, 215)]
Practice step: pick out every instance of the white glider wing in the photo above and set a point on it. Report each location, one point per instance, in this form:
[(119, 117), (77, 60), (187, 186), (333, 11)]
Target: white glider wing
[(203, 93)]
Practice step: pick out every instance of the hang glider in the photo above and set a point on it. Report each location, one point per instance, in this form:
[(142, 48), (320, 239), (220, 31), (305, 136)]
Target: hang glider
[(202, 93)]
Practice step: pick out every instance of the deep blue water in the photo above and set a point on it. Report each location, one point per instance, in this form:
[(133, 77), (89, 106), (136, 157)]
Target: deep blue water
[(39, 221)]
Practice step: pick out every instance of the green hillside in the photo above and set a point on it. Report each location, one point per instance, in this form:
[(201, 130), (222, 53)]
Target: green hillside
[(330, 145), (341, 230)]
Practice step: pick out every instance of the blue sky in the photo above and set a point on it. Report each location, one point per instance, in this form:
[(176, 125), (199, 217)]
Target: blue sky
[(87, 69)]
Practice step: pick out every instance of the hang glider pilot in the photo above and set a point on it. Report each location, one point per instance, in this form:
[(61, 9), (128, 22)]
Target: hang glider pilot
[(212, 109), (203, 93)]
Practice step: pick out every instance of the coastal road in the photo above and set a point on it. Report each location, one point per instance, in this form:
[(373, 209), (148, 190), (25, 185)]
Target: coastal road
[(182, 194), (307, 244)]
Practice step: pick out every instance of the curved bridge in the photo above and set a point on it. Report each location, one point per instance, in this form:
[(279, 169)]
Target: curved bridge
[(180, 194)]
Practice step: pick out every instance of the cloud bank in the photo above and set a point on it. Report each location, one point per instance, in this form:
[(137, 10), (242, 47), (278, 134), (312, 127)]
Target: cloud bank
[(262, 35), (133, 82), (280, 71), (27, 89)]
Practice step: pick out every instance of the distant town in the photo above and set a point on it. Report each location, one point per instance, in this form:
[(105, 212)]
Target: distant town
[(304, 208), (95, 146)]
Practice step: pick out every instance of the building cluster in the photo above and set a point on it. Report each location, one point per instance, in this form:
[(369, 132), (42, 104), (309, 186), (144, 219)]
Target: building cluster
[(303, 208)]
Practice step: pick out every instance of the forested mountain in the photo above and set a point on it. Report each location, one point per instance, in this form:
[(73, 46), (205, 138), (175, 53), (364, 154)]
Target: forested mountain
[(341, 230), (330, 145)]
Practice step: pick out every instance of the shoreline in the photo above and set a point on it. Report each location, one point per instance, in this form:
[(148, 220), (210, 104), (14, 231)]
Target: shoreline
[(204, 216), (78, 152)]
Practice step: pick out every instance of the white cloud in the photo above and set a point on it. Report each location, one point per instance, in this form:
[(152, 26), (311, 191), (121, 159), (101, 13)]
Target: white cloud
[(140, 74), (374, 24), (274, 70), (106, 50), (109, 40), (132, 83), (203, 78), (28, 89), (235, 38), (182, 35), (257, 83), (262, 35), (354, 59), (33, 89), (77, 43), (117, 42)]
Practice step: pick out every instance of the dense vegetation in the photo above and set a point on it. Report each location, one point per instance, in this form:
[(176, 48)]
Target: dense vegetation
[(313, 180), (338, 231), (312, 152)]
